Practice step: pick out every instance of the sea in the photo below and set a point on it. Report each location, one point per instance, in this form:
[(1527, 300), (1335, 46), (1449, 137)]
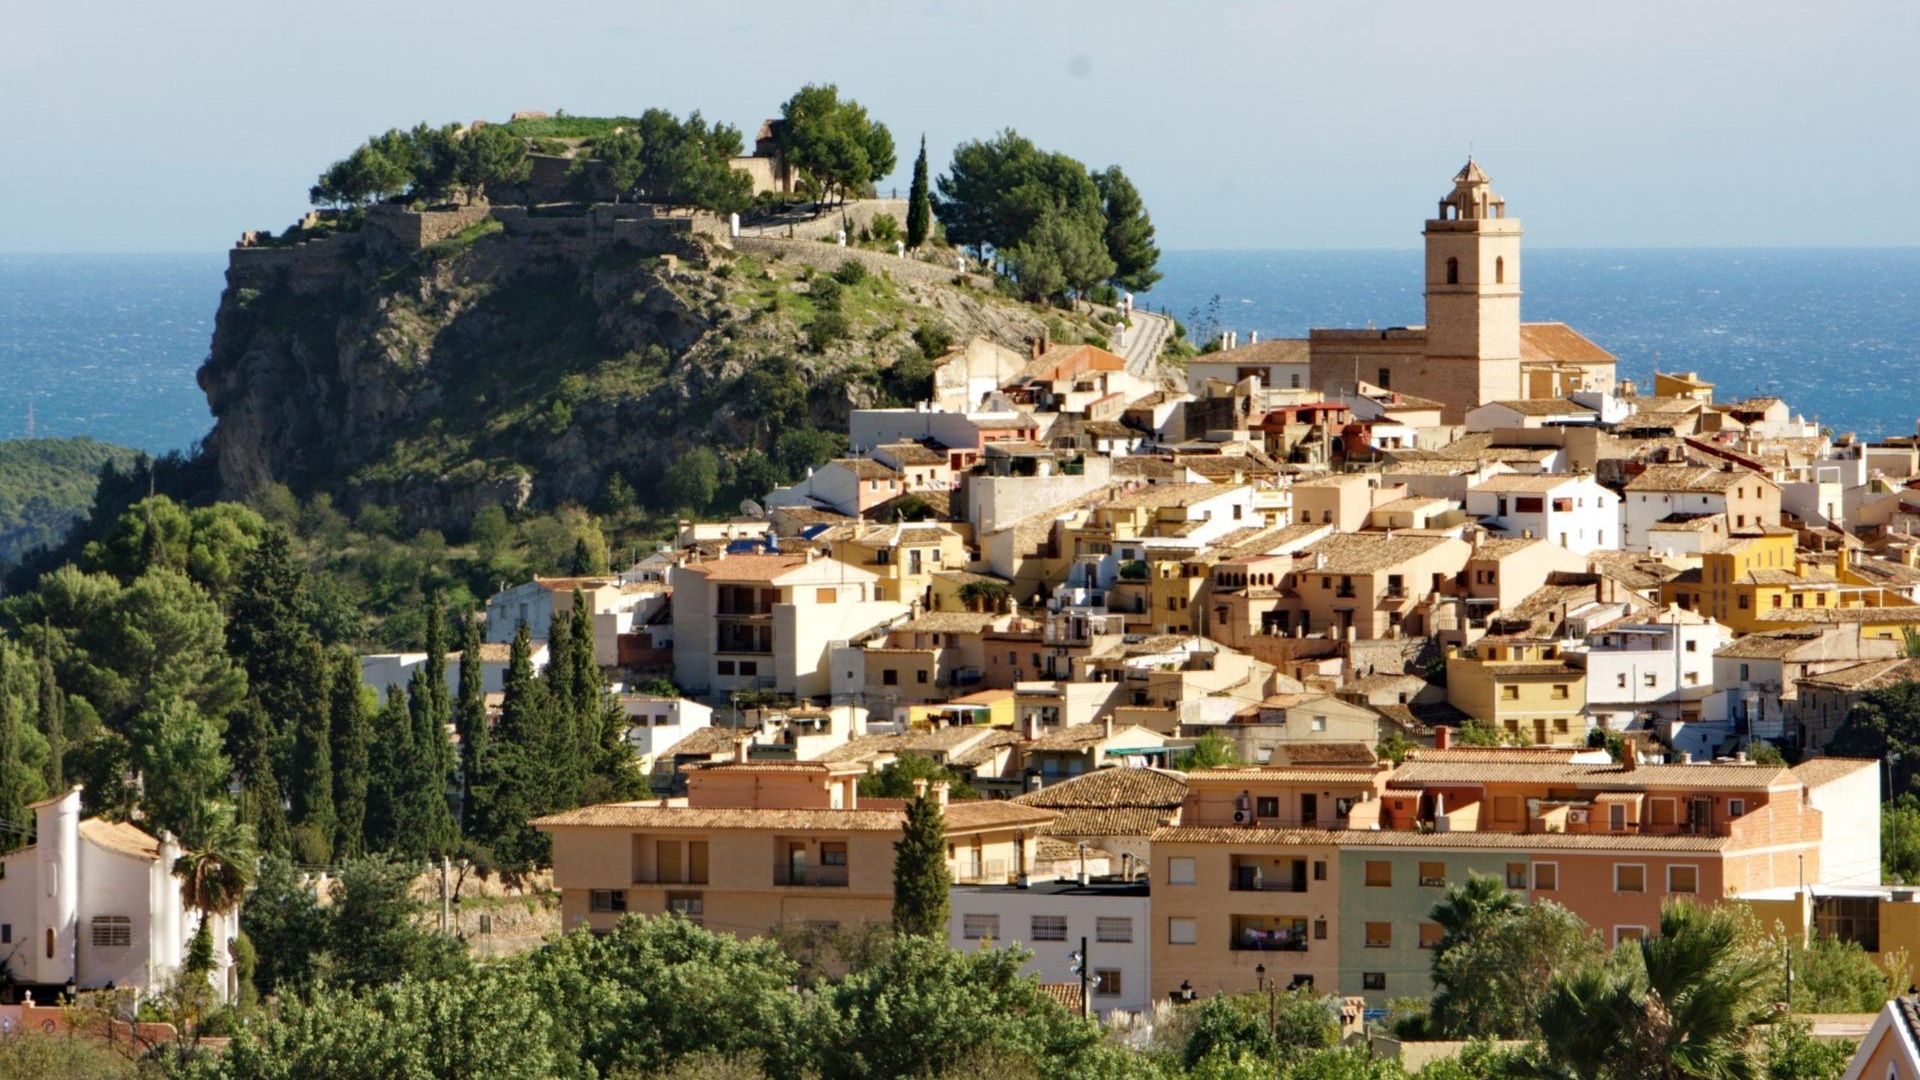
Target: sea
[(107, 345)]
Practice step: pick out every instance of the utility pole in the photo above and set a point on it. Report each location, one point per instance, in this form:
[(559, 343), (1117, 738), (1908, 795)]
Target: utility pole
[(1079, 967)]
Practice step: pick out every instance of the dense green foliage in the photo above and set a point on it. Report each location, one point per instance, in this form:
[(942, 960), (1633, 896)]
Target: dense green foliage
[(662, 158), (46, 486), (1885, 724), (834, 144), (1497, 958), (1061, 229), (896, 779)]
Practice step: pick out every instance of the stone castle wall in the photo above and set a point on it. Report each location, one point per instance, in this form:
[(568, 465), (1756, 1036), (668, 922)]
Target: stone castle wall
[(414, 230)]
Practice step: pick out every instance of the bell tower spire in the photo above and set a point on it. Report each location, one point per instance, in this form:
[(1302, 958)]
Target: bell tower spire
[(1473, 288)]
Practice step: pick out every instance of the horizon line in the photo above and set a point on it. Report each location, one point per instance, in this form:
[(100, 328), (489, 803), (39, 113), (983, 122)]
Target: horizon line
[(4, 253)]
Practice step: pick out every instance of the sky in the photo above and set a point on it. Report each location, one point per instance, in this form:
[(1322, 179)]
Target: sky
[(129, 125)]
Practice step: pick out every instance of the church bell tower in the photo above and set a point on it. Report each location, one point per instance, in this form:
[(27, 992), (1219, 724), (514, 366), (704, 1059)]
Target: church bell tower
[(1473, 289)]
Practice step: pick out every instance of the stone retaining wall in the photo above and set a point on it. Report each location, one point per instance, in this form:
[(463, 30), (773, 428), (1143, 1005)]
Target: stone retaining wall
[(829, 257)]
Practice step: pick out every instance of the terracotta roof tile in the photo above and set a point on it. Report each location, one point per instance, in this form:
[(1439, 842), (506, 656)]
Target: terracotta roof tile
[(1109, 789), (1825, 770), (1388, 838)]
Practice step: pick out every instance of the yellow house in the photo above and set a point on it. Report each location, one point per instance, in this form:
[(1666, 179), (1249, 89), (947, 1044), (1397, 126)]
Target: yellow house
[(757, 845), (1522, 686), (903, 557), (1758, 582)]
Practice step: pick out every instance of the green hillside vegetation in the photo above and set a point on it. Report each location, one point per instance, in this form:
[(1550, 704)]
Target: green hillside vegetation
[(46, 485)]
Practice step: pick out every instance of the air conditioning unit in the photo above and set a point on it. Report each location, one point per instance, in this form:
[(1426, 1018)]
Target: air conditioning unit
[(1576, 816), (1243, 817)]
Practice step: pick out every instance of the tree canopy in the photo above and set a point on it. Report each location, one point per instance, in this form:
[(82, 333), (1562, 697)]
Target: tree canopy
[(833, 142)]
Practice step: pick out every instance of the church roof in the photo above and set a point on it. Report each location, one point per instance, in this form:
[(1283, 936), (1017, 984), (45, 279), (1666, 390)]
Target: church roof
[(1470, 173)]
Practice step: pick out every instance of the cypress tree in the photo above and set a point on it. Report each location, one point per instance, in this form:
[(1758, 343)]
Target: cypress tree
[(347, 706), (310, 781), (920, 878), (53, 723), (436, 663), (516, 780), (260, 798), (470, 717), (426, 825), (919, 206), (14, 790), (387, 757), (586, 690), (567, 757)]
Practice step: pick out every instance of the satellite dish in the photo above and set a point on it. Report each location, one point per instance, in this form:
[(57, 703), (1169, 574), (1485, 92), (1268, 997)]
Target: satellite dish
[(754, 510)]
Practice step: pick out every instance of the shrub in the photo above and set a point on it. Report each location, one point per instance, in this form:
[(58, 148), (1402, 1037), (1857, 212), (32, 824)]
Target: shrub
[(825, 292), (884, 228), (934, 339), (826, 328), (851, 272)]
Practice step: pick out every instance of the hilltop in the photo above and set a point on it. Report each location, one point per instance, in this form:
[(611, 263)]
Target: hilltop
[(442, 361), (46, 486)]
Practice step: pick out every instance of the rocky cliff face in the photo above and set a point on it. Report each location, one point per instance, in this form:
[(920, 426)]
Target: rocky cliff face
[(495, 368)]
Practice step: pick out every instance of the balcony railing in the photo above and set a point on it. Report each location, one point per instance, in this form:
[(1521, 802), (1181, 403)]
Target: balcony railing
[(826, 877), (1243, 884), (1244, 942)]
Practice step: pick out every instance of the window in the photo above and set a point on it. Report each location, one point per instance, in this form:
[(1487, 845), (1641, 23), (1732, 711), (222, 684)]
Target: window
[(1499, 270), (1546, 876), (1047, 928), (1516, 875), (825, 596), (607, 900), (1629, 877), (1386, 379), (749, 668), (1116, 930), (1379, 935), (1628, 933), (832, 854), (920, 676), (1180, 871), (112, 932), (1693, 646), (1621, 680), (1319, 870), (689, 906), (1430, 935), (724, 667), (1106, 982), (1683, 879), (1433, 875), (1379, 875), (1453, 270), (1373, 980), (1267, 806), (1560, 691), (1616, 817), (1180, 932), (1510, 692), (6, 933), (890, 677), (1736, 807), (1743, 673), (1319, 723), (980, 927)]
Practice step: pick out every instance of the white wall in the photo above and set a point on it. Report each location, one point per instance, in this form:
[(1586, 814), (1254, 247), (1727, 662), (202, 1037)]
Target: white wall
[(1050, 960), (1850, 829)]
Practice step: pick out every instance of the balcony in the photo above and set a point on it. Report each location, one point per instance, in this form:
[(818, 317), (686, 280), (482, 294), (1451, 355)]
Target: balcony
[(812, 877), (1266, 934), (1255, 877)]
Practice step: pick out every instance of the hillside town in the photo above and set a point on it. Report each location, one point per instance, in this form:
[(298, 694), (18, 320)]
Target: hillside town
[(1241, 663)]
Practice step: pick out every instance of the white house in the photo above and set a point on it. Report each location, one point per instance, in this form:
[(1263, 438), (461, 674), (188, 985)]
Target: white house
[(618, 607), (95, 902), (1531, 413), (655, 724), (388, 672), (1561, 508), (1662, 664), (1675, 494), (1049, 920)]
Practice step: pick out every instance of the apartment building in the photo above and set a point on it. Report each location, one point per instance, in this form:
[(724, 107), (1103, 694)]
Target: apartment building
[(1572, 511), (748, 622), (764, 843), (903, 558), (1260, 875), (1368, 585), (1523, 686), (1054, 920), (1661, 664), (1745, 498)]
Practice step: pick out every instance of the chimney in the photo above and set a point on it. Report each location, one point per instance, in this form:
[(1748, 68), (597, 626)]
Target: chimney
[(1033, 726), (1108, 724), (1629, 755), (940, 793), (740, 748), (1253, 338), (919, 788), (1442, 736)]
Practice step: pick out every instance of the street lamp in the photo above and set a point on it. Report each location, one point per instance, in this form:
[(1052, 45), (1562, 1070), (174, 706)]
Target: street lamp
[(1260, 976), (1273, 1019), (1186, 993)]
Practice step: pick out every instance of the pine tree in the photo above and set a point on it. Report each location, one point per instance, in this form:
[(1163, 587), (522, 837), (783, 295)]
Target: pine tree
[(919, 205), (920, 878), (53, 723), (348, 734), (310, 781), (470, 719)]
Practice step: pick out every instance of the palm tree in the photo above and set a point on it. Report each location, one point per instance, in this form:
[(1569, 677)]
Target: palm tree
[(1468, 909), (215, 873), (1680, 1006)]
